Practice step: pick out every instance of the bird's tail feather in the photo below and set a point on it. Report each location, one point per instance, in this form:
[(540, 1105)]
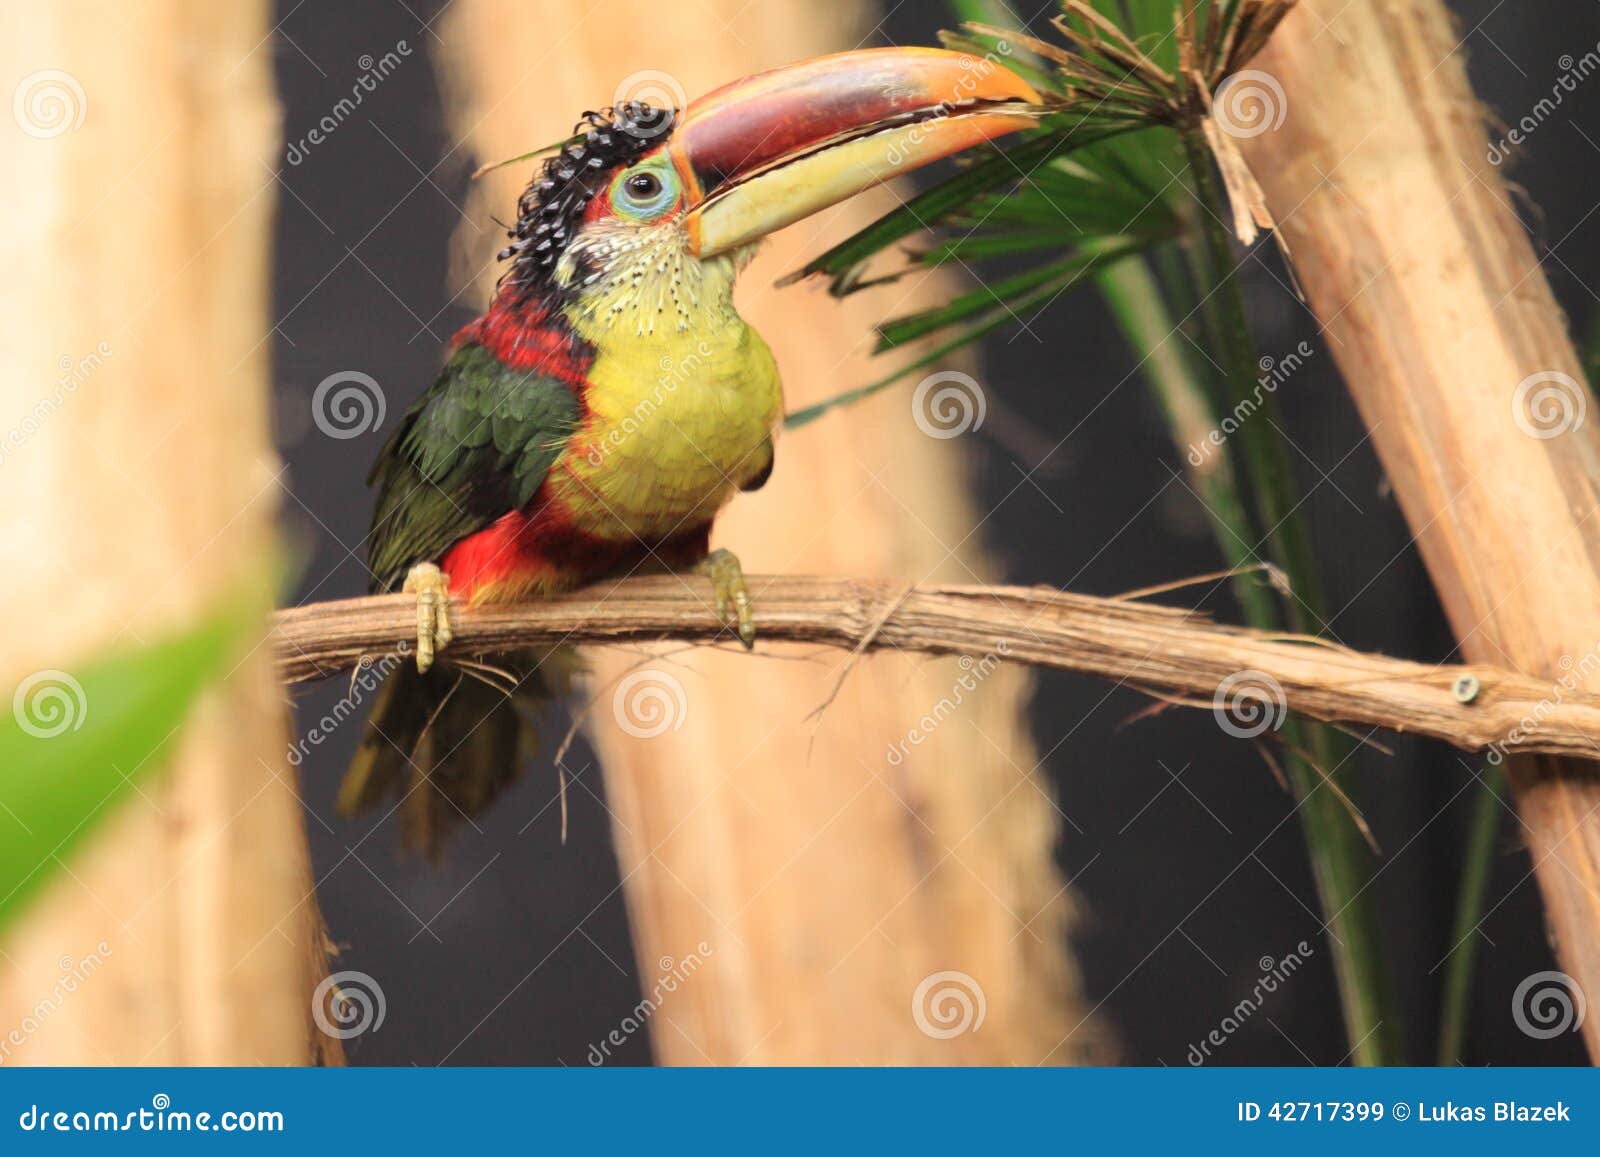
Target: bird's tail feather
[(444, 745)]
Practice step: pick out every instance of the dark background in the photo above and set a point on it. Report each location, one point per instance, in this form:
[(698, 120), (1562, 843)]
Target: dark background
[(515, 950)]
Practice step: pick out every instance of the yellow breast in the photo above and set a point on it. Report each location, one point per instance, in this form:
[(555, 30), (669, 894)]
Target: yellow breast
[(678, 422)]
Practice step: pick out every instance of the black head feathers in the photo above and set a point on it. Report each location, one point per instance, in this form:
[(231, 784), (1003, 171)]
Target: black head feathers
[(550, 209)]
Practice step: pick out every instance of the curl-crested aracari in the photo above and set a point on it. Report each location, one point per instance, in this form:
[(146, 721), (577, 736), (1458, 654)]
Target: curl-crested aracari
[(611, 401)]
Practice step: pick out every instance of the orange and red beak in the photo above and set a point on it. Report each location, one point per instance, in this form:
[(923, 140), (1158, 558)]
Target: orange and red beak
[(768, 150)]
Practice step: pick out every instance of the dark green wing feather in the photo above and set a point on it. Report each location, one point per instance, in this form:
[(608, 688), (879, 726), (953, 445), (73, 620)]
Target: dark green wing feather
[(477, 446)]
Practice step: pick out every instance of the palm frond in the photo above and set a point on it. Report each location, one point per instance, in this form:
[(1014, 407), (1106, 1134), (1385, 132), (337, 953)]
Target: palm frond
[(1103, 174)]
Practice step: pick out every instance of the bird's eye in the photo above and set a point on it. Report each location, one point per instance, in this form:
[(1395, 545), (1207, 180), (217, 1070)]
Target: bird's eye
[(645, 193)]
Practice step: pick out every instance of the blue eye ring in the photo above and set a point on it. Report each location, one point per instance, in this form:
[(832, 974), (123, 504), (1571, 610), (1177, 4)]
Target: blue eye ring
[(645, 193)]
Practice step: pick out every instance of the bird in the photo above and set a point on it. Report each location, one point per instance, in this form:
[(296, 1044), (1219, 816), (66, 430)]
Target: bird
[(611, 400)]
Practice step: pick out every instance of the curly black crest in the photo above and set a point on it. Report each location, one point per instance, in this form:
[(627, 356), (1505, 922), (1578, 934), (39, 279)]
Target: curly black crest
[(550, 209)]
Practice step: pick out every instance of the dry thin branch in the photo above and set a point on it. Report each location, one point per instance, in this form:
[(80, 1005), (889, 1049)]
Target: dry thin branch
[(1175, 653)]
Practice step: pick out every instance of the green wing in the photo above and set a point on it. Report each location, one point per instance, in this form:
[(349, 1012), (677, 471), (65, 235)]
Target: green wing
[(476, 447)]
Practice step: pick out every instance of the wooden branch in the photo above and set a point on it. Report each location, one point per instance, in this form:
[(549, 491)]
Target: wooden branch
[(1169, 652)]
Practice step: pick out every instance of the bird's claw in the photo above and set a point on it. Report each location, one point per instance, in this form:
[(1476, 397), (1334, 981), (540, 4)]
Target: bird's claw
[(432, 588), (733, 599)]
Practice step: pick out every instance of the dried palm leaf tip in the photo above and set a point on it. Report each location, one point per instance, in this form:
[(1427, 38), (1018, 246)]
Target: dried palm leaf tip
[(1103, 71)]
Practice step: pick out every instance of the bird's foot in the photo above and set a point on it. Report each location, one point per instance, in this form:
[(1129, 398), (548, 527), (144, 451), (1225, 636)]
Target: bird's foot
[(432, 588), (733, 600)]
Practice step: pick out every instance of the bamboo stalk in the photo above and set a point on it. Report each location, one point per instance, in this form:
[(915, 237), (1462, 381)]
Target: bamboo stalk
[(1177, 653), (1437, 310), (138, 184)]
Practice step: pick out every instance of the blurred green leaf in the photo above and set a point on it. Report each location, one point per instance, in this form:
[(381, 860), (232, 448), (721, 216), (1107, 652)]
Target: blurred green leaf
[(76, 743)]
